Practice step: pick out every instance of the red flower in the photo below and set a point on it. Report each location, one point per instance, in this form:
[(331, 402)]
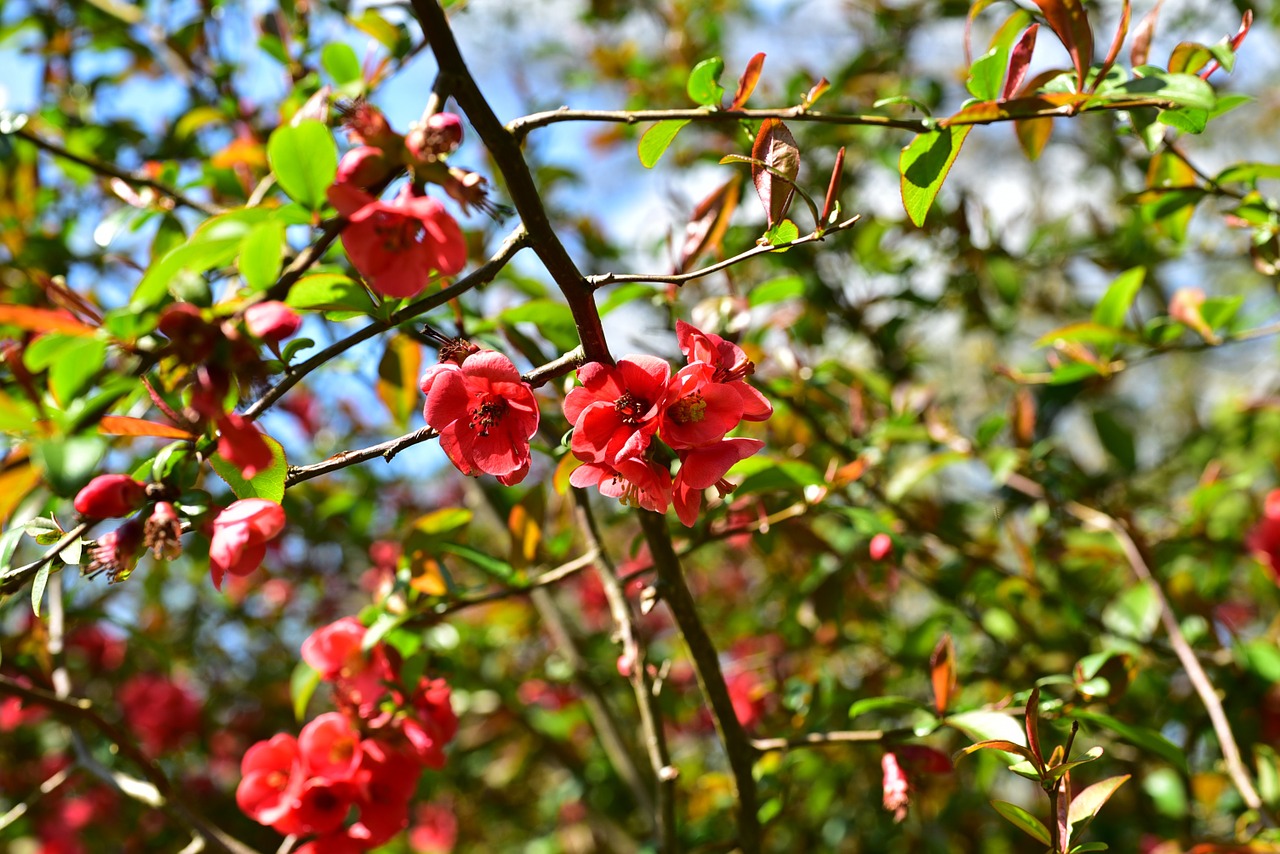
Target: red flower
[(704, 467), (615, 411), (270, 781), (485, 415), (1264, 540), (335, 650), (160, 711), (632, 481), (730, 365), (117, 552), (396, 246), (243, 445), (897, 793), (432, 724), (330, 747), (240, 535), (271, 321), (109, 496), (698, 411), (435, 829)]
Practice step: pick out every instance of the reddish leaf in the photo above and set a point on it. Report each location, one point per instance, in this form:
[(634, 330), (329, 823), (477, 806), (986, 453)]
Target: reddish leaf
[(42, 320), (708, 224), (833, 187), (943, 673), (816, 91), (1141, 48), (1064, 811), (1019, 60), (1088, 802), (1033, 106), (1032, 722), (747, 82), (1068, 20), (123, 425), (1033, 134), (1188, 58), (995, 744), (775, 147), (1245, 23), (1116, 43)]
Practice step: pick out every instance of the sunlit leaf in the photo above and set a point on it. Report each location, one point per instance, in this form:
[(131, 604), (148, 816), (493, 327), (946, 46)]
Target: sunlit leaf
[(704, 82), (1023, 820), (304, 159), (747, 82), (656, 140), (398, 375), (776, 148), (268, 483), (924, 165)]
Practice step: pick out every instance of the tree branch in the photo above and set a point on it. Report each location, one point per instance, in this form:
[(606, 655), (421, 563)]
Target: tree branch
[(504, 148), (15, 578), (680, 278), (706, 665)]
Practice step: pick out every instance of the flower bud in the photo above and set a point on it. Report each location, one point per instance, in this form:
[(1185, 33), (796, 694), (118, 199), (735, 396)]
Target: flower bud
[(110, 496), (271, 321), (364, 167), (881, 546), (366, 125), (438, 137)]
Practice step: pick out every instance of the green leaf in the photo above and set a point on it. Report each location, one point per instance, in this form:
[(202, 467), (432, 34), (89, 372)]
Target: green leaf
[(195, 256), (765, 474), (1114, 305), (1092, 754), (8, 545), (1248, 173), (329, 292), (261, 251), (1141, 737), (782, 233), (776, 290), (443, 521), (1134, 613), (983, 725), (630, 292), (302, 684), (909, 476), (37, 587), (1085, 805), (1001, 745), (341, 62), (1185, 119), (880, 704), (657, 139), (1024, 821), (1183, 90), (924, 165), (986, 75), (1220, 311), (1261, 657), (499, 569), (384, 623), (69, 464), (304, 159), (704, 82), (1116, 438), (268, 483)]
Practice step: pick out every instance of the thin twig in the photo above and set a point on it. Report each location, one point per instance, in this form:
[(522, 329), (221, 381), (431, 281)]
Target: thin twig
[(633, 651), (178, 197), (680, 278), (15, 578), (706, 666), (20, 809), (521, 126), (822, 739)]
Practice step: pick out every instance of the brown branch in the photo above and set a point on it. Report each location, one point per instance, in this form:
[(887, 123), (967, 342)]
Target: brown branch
[(15, 578), (822, 739), (76, 711), (706, 666), (522, 126), (680, 278), (504, 148), (178, 197), (633, 650)]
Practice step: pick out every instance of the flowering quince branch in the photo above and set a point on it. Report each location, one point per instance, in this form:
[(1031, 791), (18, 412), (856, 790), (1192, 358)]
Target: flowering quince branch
[(603, 279), (521, 127), (178, 197), (16, 577), (504, 148)]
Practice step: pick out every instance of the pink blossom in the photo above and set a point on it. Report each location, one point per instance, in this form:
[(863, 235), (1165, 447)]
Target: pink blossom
[(240, 536), (271, 321)]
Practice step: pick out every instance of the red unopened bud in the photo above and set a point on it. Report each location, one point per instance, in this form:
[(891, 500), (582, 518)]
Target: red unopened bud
[(881, 545), (626, 663), (439, 137), (364, 167), (109, 496), (271, 321), (163, 532)]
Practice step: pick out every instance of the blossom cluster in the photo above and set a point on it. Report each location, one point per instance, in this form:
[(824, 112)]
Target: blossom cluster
[(238, 535), (368, 755), (620, 410), (397, 245)]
